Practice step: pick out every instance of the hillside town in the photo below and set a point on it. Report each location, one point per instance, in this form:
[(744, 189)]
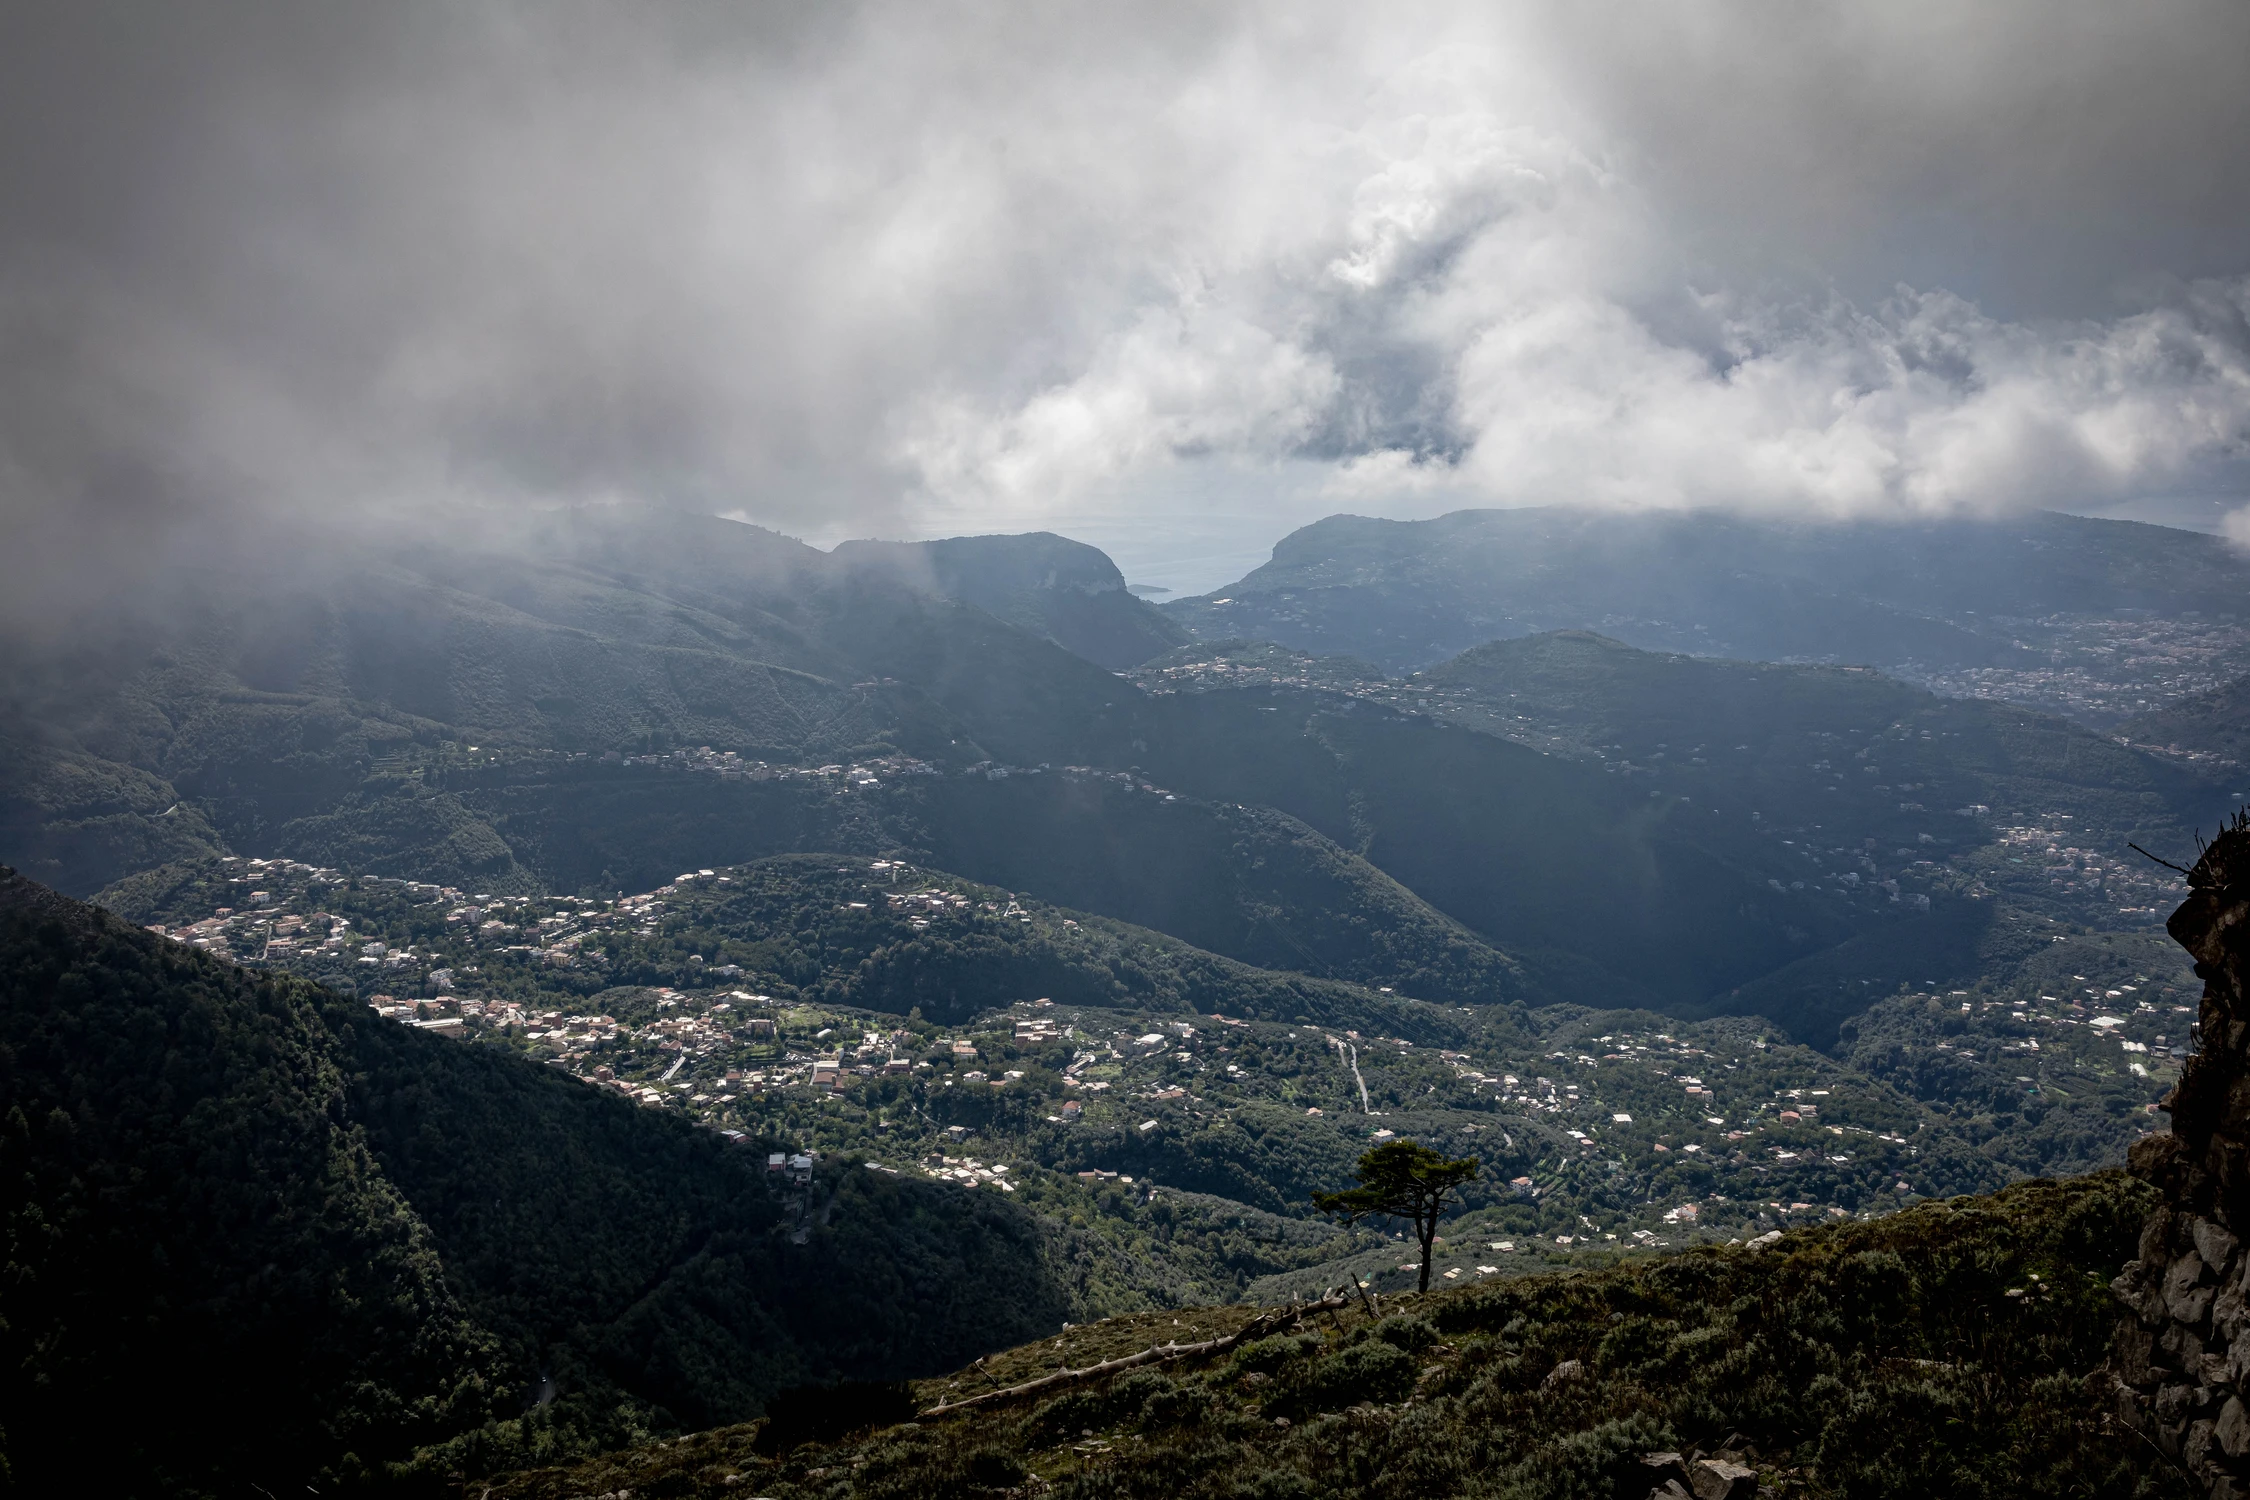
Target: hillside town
[(1725, 1130)]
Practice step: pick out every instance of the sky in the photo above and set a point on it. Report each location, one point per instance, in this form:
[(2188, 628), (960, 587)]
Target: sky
[(1171, 278)]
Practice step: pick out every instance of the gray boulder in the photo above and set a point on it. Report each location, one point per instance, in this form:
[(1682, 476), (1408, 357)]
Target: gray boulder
[(1717, 1479)]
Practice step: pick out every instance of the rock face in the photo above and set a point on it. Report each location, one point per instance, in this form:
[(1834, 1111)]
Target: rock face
[(1675, 1477), (2183, 1356)]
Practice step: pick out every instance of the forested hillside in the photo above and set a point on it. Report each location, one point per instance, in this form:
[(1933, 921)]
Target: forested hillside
[(1167, 1113), (1997, 826), (257, 1234), (196, 1232), (2210, 726), (614, 696)]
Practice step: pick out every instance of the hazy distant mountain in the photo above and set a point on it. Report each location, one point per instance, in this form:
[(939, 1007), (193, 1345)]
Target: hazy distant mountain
[(292, 687), (460, 717), (2013, 825), (529, 713), (1941, 595), (1049, 585)]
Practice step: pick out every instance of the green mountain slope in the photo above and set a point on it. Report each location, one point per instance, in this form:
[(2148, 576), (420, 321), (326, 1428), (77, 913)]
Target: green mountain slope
[(623, 1255), (2214, 725), (1956, 1350), (194, 1227), (1041, 583), (2001, 821), (1246, 881), (236, 1193), (1623, 893), (946, 1030)]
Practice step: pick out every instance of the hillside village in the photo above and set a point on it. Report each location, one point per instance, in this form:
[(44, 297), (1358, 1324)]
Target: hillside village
[(1602, 1135), (2103, 669)]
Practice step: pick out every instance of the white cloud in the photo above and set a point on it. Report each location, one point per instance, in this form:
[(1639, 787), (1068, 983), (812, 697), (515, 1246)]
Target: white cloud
[(1921, 405), (1499, 314), (1183, 379), (2235, 526), (890, 268)]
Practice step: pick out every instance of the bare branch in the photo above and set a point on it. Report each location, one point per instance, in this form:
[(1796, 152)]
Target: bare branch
[(2167, 864), (1156, 1354)]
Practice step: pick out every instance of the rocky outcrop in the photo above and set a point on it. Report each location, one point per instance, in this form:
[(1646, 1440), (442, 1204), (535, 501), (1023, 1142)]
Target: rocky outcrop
[(2183, 1354), (1678, 1476)]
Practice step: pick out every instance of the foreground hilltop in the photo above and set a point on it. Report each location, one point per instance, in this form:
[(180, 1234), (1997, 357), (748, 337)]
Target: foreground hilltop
[(1955, 1349), (422, 1260)]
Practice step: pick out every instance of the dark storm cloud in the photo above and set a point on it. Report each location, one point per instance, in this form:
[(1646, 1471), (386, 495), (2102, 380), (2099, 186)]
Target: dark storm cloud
[(888, 267)]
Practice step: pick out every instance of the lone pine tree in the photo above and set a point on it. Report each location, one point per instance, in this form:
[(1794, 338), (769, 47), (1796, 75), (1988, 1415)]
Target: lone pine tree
[(1402, 1180)]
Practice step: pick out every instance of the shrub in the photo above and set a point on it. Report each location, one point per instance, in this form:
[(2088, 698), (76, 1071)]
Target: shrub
[(1127, 1398), (824, 1413), (1175, 1406), (1369, 1371), (1267, 1355), (1405, 1331)]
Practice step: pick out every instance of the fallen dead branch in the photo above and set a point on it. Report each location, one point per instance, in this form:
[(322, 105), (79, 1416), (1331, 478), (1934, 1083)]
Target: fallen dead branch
[(1155, 1354)]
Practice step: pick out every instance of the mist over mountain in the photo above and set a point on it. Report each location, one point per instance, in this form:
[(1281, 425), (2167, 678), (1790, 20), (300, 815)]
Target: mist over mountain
[(1932, 597), (622, 694), (1049, 585), (880, 273), (432, 729), (613, 885), (598, 840)]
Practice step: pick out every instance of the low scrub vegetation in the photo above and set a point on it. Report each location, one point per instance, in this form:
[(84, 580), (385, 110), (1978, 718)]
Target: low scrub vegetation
[(1954, 1349)]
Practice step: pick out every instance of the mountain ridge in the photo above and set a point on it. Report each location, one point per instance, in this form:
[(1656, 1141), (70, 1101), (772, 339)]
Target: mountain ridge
[(1405, 593)]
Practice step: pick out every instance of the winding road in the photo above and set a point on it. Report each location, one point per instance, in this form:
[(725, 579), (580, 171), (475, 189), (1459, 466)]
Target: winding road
[(1351, 1057)]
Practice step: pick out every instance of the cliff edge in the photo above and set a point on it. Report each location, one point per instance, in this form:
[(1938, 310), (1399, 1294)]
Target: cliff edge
[(2183, 1357)]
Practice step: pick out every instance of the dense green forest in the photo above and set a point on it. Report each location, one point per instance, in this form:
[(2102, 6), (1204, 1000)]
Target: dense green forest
[(301, 1244), (197, 1234), (2006, 822)]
